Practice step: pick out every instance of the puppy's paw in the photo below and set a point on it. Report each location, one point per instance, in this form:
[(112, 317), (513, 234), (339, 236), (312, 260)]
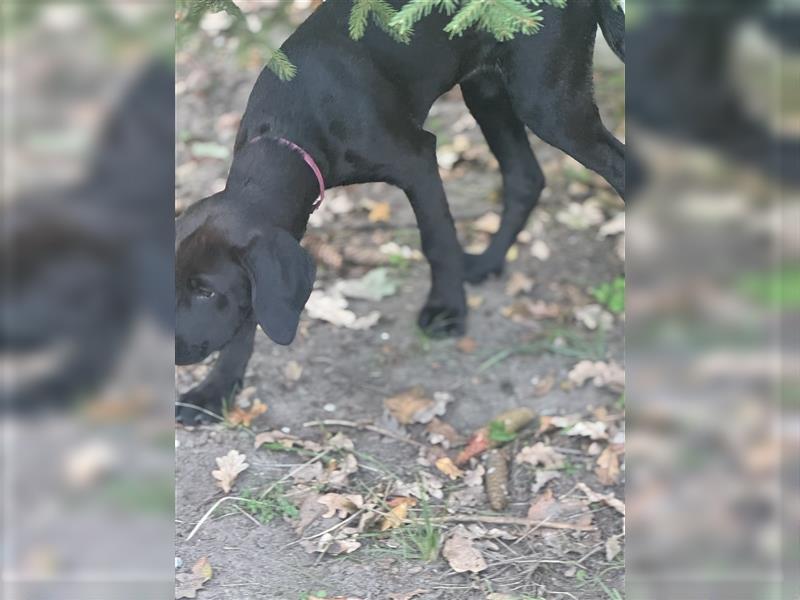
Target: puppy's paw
[(442, 321), (199, 406), (478, 267)]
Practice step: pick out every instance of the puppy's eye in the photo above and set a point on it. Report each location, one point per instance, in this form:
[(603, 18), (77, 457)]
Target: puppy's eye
[(200, 288)]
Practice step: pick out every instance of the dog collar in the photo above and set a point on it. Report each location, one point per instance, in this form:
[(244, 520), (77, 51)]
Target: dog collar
[(309, 160)]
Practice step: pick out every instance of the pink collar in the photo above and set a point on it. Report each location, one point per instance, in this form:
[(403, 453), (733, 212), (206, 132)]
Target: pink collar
[(309, 161)]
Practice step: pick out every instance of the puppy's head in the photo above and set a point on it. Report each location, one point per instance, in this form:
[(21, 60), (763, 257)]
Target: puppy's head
[(227, 274)]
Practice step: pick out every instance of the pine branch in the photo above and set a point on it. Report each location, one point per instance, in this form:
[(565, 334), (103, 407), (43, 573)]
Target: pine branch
[(359, 17), (415, 10), (280, 64)]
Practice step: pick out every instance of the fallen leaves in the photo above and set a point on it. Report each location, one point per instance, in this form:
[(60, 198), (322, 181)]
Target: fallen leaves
[(398, 511), (230, 466), (446, 466), (188, 584), (331, 306), (541, 455), (461, 554), (602, 374), (412, 406), (376, 285), (580, 216), (244, 416), (467, 345), (608, 470), (380, 212), (341, 505), (519, 283)]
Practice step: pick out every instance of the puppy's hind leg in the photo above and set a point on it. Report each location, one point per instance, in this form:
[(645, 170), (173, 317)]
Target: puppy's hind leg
[(226, 374), (488, 101)]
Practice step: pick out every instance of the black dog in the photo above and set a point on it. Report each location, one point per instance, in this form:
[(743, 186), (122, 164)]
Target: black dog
[(85, 262), (358, 108)]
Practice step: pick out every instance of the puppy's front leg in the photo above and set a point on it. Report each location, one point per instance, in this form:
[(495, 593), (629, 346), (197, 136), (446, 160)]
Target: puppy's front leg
[(445, 312), (226, 374)]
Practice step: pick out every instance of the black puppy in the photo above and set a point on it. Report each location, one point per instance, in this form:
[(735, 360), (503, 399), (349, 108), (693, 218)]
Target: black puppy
[(355, 111)]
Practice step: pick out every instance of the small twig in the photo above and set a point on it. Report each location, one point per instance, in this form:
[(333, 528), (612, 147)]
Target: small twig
[(210, 511), (363, 425), (248, 515), (328, 530), (293, 472), (499, 520)]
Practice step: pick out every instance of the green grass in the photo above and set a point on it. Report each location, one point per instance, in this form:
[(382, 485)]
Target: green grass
[(776, 289), (420, 539), (611, 295), (266, 509), (559, 341)]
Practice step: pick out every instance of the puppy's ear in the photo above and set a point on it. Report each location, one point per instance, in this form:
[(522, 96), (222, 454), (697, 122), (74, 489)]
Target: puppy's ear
[(281, 278)]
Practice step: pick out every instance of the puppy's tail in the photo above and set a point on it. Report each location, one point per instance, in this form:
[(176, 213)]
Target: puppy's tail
[(612, 24)]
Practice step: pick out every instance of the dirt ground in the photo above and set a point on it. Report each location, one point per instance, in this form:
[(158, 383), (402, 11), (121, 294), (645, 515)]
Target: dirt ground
[(522, 349)]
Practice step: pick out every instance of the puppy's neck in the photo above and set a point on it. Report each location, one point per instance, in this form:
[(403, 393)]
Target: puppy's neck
[(273, 185)]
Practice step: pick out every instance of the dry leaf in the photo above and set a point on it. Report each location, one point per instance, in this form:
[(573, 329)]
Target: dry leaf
[(594, 316), (241, 416), (539, 454), (614, 226), (340, 442), (608, 499), (488, 223), (613, 547), (461, 553), (546, 506), (399, 510), (336, 472), (594, 430), (474, 477), (542, 479), (331, 306), (310, 511), (328, 544), (188, 584), (293, 370), (474, 301), (497, 480), (525, 310), (607, 469), (542, 507), (547, 423), (579, 216), (602, 374), (230, 466), (540, 250), (519, 283), (543, 385), (380, 212), (467, 345), (443, 434), (340, 504), (412, 406), (446, 466)]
